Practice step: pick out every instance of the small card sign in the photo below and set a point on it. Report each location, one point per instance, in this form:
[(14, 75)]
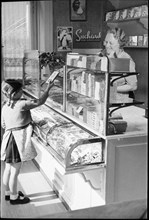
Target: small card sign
[(53, 76), (80, 108)]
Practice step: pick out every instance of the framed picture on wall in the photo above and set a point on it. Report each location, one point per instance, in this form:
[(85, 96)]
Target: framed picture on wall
[(64, 38), (78, 10)]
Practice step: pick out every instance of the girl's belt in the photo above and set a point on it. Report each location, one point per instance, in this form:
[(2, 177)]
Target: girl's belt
[(17, 128)]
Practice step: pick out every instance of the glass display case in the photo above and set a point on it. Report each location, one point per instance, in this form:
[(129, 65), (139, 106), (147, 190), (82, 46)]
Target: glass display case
[(82, 109)]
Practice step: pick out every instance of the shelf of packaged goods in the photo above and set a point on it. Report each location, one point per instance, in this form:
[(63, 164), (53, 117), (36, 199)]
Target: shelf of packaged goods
[(142, 20)]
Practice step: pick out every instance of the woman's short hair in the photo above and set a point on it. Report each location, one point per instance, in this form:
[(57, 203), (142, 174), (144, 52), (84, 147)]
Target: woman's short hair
[(120, 35)]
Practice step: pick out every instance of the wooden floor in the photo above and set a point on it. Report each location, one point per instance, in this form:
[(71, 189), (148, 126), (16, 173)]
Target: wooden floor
[(44, 201)]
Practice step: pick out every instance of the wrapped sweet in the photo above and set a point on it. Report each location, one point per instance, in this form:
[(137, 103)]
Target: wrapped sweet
[(64, 136)]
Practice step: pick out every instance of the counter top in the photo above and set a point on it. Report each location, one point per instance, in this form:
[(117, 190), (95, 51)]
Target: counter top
[(137, 123)]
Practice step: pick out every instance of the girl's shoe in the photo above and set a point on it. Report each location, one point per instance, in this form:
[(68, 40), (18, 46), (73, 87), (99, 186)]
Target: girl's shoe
[(8, 196), (19, 200)]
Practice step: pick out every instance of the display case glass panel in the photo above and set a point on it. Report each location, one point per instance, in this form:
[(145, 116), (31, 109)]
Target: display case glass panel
[(35, 79), (56, 94), (31, 72)]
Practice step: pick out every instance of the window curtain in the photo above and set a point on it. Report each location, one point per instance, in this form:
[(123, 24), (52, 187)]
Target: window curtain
[(16, 37)]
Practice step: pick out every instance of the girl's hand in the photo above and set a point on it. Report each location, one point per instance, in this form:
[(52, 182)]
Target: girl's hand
[(50, 85)]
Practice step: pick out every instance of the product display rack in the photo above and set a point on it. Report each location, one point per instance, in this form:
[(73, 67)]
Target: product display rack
[(127, 19)]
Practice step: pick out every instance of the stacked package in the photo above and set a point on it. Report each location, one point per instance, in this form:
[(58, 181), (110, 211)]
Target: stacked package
[(93, 62), (128, 13), (88, 84)]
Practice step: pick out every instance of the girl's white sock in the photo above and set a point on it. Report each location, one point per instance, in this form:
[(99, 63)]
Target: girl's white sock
[(13, 197), (7, 193)]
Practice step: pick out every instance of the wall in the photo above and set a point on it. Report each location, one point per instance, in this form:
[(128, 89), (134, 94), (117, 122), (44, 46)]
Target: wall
[(93, 23)]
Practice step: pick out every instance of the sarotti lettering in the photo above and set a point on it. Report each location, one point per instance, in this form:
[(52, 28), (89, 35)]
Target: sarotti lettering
[(87, 37)]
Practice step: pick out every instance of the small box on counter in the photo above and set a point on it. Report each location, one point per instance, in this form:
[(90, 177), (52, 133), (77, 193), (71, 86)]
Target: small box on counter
[(117, 126)]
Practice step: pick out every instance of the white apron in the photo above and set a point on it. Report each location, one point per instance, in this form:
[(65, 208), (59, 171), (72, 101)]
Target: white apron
[(25, 146)]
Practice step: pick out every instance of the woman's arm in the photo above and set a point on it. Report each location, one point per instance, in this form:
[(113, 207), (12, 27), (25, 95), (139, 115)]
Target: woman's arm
[(127, 87), (130, 81)]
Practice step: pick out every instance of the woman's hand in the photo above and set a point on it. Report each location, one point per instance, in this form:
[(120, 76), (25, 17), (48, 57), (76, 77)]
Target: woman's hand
[(127, 88)]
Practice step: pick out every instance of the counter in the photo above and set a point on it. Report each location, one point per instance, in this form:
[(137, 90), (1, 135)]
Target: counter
[(92, 148)]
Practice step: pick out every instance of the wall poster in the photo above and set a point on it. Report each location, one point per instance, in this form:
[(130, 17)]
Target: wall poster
[(78, 10), (64, 38)]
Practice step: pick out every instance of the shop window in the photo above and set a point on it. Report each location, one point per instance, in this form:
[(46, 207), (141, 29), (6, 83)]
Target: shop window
[(15, 37)]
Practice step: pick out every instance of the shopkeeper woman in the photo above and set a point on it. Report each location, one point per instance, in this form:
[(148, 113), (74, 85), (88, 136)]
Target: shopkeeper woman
[(114, 43)]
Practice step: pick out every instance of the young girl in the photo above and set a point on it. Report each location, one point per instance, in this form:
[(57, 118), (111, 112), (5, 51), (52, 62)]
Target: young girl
[(16, 144)]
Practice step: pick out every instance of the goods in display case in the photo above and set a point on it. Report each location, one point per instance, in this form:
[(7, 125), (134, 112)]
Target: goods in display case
[(72, 146), (91, 95)]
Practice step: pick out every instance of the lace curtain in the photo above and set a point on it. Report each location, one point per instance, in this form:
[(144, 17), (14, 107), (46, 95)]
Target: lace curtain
[(15, 37)]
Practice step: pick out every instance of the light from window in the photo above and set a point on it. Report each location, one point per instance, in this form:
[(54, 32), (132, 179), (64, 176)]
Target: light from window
[(15, 36)]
